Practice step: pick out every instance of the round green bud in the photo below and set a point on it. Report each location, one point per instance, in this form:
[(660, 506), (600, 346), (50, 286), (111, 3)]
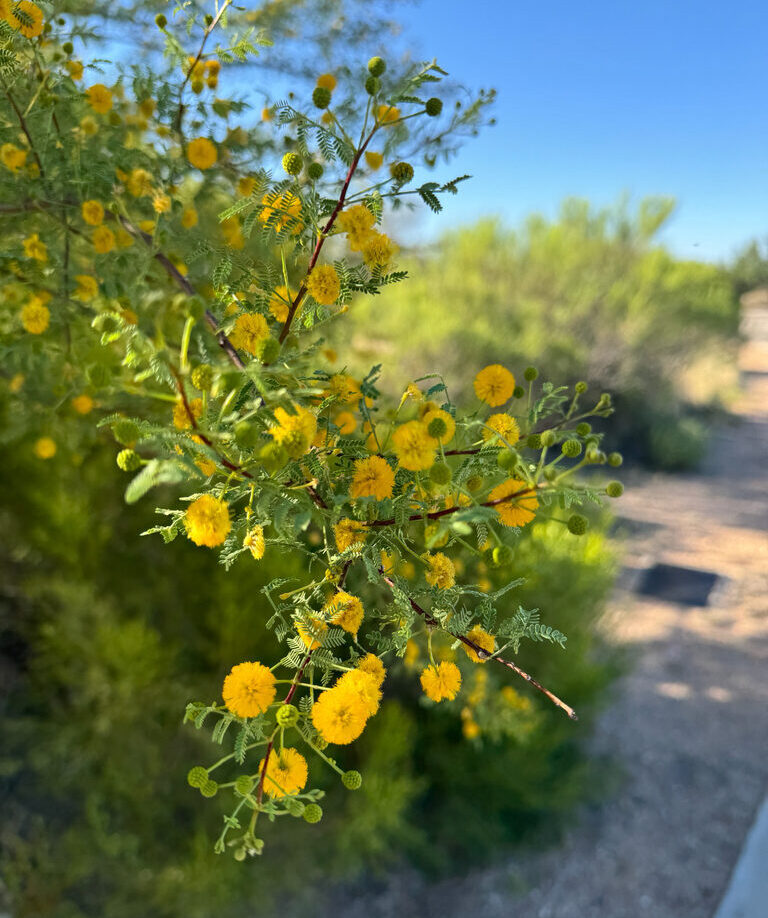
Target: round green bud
[(474, 482), (246, 434), (581, 387), (533, 441), (67, 47), (605, 400), (287, 715), (312, 813), (615, 459), (614, 489), (240, 854), (320, 743), (372, 85), (291, 343), (268, 349), (243, 785), (577, 524), (550, 474), (210, 788), (596, 456), (502, 555), (273, 457), (160, 21), (128, 460), (376, 66), (440, 473), (401, 172), (518, 392), (548, 438), (202, 377), (293, 163), (437, 428), (583, 429), (98, 375), (295, 807), (352, 780), (530, 374), (125, 432), (507, 458), (321, 97), (197, 776), (571, 448), (315, 171), (433, 107)]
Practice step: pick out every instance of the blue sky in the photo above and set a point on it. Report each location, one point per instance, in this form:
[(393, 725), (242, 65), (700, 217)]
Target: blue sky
[(600, 98)]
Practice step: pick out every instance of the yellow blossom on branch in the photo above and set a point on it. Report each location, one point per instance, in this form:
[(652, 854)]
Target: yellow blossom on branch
[(505, 426), (323, 285), (201, 153), (345, 610), (494, 385), (254, 542), (340, 714), (34, 248), (480, 637), (521, 508), (374, 477), (99, 98), (93, 213), (414, 447), (250, 328), (441, 682), (207, 521), (249, 689), (286, 773), (441, 572)]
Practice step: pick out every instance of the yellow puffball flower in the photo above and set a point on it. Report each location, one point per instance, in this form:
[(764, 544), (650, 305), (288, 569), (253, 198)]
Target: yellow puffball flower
[(494, 385), (87, 287), (12, 157), (249, 689), (45, 448), (348, 533), (374, 477), (357, 222), (295, 432), (15, 383), (35, 317), (181, 419), (34, 248), (88, 126), (373, 160), (249, 330), (139, 183), (246, 186), (75, 69), (441, 573), (232, 233), (327, 81), (372, 665), (147, 107), (312, 637), (83, 404), (189, 218), (414, 447), (266, 114), (379, 250), (411, 656), (123, 238), (447, 428), (346, 422), (201, 153), (161, 203), (480, 637), (32, 24), (93, 213), (99, 98), (366, 686), (344, 388), (506, 427), (345, 610), (281, 211), (386, 114), (103, 240), (519, 510), (441, 681), (323, 285), (339, 715), (207, 521), (254, 542), (286, 773), (280, 302)]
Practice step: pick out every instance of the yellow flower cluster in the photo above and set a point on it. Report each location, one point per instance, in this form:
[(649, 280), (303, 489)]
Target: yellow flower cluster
[(323, 285), (441, 681), (341, 712), (207, 521), (286, 773), (249, 689), (296, 431)]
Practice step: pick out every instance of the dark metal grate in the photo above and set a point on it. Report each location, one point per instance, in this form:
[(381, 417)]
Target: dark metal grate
[(682, 585)]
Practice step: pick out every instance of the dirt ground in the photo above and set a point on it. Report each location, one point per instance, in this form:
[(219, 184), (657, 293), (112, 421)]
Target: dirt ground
[(690, 723)]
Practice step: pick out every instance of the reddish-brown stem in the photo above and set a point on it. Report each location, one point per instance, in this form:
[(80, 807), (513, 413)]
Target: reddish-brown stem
[(23, 124), (322, 236), (484, 655)]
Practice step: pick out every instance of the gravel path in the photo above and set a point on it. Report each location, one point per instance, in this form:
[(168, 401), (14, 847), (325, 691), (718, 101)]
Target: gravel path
[(690, 723)]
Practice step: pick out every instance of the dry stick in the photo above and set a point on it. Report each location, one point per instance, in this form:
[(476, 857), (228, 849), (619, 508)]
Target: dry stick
[(25, 129), (323, 236), (484, 655)]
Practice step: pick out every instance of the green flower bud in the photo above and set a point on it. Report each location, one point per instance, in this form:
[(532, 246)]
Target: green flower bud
[(548, 438), (581, 387), (352, 780), (98, 375), (160, 21), (502, 555), (437, 428), (440, 473), (321, 97), (210, 788), (401, 172), (208, 19), (372, 85), (287, 715), (315, 171), (615, 459), (240, 854), (376, 66), (197, 776), (596, 456), (518, 392), (614, 489), (128, 460), (243, 785), (605, 400), (312, 813), (583, 429), (125, 432), (571, 448), (550, 474), (577, 524), (268, 349), (202, 377), (533, 441), (319, 743), (247, 434), (67, 47), (530, 374), (507, 458), (273, 457), (474, 482), (433, 107), (295, 807), (293, 163)]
